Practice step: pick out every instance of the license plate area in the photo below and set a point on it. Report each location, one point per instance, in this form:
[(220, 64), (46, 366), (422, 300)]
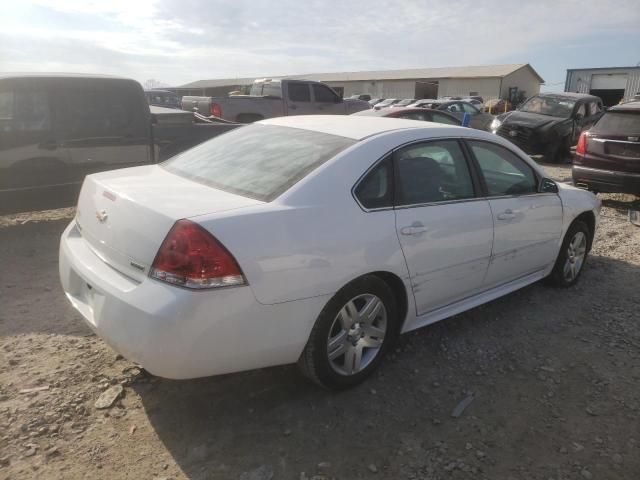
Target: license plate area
[(620, 149)]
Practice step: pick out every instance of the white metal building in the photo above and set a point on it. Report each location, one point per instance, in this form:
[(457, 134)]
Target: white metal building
[(613, 84), (488, 81)]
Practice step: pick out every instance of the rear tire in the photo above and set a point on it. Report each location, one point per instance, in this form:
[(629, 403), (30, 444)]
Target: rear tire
[(351, 335), (572, 257)]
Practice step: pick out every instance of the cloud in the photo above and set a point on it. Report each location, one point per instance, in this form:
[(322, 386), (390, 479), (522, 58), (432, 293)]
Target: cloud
[(181, 41)]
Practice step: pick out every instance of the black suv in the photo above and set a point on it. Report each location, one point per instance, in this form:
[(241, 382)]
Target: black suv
[(549, 123)]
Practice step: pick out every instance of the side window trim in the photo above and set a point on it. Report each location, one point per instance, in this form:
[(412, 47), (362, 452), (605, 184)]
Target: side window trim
[(481, 176), (392, 183)]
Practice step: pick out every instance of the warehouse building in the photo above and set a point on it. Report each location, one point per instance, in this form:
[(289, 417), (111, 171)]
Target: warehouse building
[(488, 81), (612, 85)]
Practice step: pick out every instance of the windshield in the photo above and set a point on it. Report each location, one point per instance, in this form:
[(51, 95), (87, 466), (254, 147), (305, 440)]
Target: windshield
[(257, 161), (552, 106)]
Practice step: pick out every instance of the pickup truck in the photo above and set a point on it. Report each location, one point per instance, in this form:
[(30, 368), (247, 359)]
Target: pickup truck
[(276, 98), (57, 128)]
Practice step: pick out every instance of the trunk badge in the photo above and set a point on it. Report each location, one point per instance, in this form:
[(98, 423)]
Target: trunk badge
[(102, 216)]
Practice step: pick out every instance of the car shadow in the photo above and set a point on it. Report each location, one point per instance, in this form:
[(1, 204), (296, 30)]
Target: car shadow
[(220, 427), (621, 202), (31, 298)]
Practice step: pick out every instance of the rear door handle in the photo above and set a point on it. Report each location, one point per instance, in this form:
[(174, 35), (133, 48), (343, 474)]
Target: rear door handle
[(416, 228), (507, 215)]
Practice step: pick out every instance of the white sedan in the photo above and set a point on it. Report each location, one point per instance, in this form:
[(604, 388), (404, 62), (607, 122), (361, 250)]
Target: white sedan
[(314, 240)]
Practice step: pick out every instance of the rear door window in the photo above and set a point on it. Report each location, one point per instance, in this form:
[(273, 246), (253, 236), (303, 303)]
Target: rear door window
[(446, 119), (299, 92), (257, 161), (100, 109), (324, 94), (470, 109), (24, 110)]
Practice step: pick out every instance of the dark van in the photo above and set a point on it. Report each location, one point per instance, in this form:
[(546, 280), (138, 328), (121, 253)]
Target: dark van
[(57, 128)]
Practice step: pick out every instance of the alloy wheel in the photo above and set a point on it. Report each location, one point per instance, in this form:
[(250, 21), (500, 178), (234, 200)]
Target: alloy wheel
[(576, 252), (356, 334)]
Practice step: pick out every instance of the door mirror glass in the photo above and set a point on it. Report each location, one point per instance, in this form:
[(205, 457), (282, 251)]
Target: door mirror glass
[(548, 186)]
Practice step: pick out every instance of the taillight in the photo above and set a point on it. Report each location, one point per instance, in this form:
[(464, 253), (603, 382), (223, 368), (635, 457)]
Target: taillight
[(193, 258), (581, 148), (216, 111)]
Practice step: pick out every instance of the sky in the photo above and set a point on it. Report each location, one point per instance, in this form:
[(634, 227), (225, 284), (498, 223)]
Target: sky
[(176, 42)]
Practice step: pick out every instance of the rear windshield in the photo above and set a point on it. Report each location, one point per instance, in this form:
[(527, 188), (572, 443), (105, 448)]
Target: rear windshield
[(257, 161), (618, 123)]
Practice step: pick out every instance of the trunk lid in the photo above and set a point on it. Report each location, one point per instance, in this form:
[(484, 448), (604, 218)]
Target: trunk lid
[(612, 152), (124, 215)]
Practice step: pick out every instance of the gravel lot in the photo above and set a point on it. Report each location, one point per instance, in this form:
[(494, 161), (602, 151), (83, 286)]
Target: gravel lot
[(552, 376)]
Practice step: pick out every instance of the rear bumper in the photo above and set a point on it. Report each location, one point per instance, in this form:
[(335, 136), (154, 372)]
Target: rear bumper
[(177, 333), (606, 180)]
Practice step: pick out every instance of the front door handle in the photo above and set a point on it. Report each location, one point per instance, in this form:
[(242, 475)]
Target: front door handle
[(507, 215), (416, 228)]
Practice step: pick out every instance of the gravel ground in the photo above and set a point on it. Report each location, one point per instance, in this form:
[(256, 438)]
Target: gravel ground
[(551, 378)]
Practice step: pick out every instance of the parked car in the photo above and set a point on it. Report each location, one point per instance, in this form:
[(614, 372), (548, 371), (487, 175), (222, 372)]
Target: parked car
[(477, 98), (458, 108), (57, 128), (163, 98), (276, 98), (386, 103), (404, 102), (363, 96), (409, 113), (497, 106), (298, 239), (424, 103), (549, 123), (374, 101), (475, 102), (607, 157)]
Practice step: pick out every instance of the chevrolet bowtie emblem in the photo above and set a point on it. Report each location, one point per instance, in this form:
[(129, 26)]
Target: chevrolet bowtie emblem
[(102, 216)]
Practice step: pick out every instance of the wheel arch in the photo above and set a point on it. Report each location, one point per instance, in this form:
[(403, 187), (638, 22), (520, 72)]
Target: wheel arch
[(399, 290), (589, 218)]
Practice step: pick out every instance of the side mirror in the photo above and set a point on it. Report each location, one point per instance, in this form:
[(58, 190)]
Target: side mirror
[(579, 116), (337, 99), (548, 186)]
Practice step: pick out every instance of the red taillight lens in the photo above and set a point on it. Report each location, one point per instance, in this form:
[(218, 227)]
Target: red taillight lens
[(216, 111), (581, 148), (191, 257)]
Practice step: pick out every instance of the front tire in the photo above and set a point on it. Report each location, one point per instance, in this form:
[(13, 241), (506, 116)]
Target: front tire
[(572, 256), (351, 335)]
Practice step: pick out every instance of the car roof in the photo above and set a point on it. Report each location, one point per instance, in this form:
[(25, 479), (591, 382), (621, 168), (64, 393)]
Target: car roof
[(156, 90), (349, 126), (574, 96), (632, 106), (59, 75)]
